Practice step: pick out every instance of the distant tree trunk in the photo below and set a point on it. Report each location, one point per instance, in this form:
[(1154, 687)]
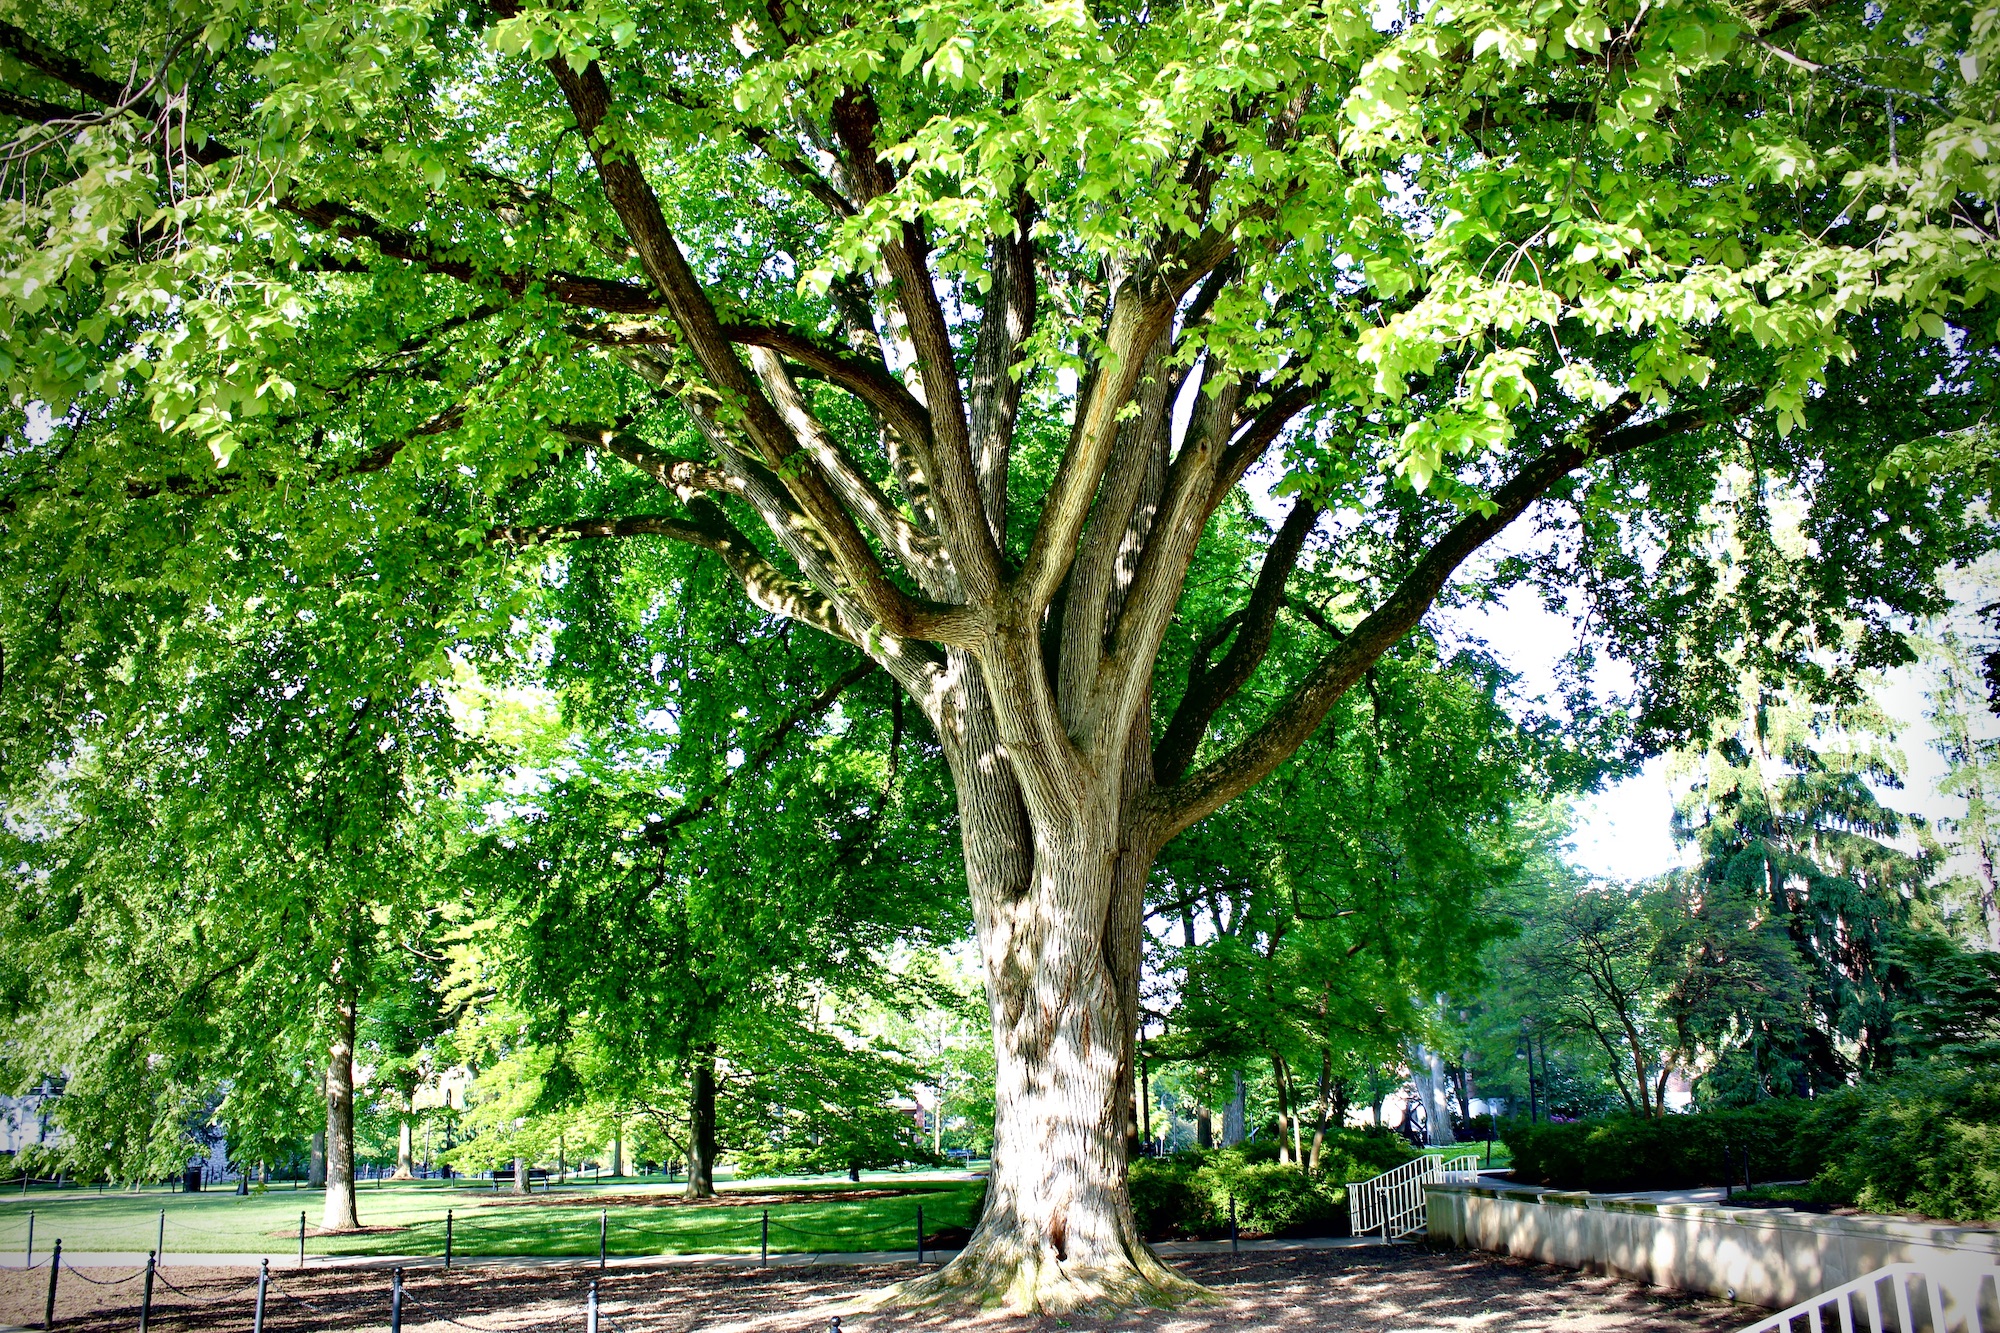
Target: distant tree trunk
[(1323, 1108), (1285, 1126), (1232, 1115), (316, 1163), (405, 1148), (339, 1213), (618, 1144), (1428, 1076), (701, 1126), (520, 1175), (1204, 1127), (854, 1173), (1989, 904)]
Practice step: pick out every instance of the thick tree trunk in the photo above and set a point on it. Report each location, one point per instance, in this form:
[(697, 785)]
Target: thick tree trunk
[(520, 1175), (339, 1213), (1051, 897), (618, 1147), (701, 1126), (316, 1162)]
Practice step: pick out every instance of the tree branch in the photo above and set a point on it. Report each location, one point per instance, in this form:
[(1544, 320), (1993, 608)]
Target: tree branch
[(1210, 688), (871, 384), (1173, 808), (813, 707), (711, 530), (687, 300), (953, 480)]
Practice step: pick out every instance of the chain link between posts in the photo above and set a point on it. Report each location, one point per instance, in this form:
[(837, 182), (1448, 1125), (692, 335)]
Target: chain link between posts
[(160, 1275), (115, 1282), (410, 1299)]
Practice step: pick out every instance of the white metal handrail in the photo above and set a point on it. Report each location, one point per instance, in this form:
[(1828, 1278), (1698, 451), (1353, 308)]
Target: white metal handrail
[(1393, 1203), (1901, 1298)]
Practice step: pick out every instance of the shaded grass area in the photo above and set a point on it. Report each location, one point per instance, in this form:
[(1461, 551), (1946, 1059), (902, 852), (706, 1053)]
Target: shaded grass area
[(409, 1219)]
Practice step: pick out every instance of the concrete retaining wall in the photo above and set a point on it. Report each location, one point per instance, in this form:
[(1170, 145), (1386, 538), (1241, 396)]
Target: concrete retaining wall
[(1773, 1257)]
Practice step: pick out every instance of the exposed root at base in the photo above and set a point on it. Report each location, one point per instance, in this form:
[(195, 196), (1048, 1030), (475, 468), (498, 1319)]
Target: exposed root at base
[(1034, 1283)]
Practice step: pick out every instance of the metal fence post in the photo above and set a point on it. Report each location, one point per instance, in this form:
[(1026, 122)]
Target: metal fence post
[(447, 1239), (29, 1262), (302, 1239), (764, 1242), (55, 1266), (1232, 1225), (920, 1235), (146, 1298), (590, 1315), (263, 1281), (603, 1229), (396, 1302), (161, 1248)]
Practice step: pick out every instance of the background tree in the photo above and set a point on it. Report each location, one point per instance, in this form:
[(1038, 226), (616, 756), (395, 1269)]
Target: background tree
[(742, 833), (1782, 811), (244, 814)]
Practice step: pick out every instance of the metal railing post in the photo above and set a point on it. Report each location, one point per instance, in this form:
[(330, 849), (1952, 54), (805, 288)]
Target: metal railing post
[(396, 1302), (161, 1248), (764, 1242), (55, 1266), (146, 1297), (302, 1239), (263, 1281), (590, 1313), (447, 1239), (603, 1230), (1233, 1248), (920, 1235), (29, 1261)]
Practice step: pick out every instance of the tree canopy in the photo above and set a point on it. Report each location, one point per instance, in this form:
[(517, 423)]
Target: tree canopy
[(972, 336)]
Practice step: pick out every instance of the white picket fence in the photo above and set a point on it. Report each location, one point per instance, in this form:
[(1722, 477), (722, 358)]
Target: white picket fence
[(1392, 1205), (1902, 1298)]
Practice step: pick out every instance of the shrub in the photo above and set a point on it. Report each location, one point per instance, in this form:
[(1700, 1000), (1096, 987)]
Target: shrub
[(1166, 1202), (1925, 1142), (1186, 1196), (1628, 1152), (1361, 1152)]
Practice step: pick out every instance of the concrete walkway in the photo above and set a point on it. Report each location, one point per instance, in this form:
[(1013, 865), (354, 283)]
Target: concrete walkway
[(289, 1263)]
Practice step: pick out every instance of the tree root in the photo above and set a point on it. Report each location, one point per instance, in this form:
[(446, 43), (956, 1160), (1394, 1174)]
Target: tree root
[(992, 1276)]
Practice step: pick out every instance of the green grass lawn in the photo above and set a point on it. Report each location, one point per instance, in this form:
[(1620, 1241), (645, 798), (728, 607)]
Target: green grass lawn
[(409, 1218)]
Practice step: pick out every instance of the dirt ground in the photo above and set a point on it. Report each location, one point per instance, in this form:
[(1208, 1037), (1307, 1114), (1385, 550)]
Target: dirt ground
[(1297, 1291)]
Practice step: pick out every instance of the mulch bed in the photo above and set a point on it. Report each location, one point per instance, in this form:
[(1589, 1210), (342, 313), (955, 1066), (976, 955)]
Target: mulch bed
[(1299, 1291)]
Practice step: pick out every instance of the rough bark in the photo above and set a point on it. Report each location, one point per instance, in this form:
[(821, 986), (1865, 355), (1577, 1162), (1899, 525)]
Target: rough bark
[(701, 1126), (520, 1175), (316, 1162), (618, 1147), (1056, 894), (339, 1213)]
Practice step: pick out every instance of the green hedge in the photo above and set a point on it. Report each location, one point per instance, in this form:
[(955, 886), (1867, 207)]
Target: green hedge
[(1627, 1152), (1926, 1142), (1186, 1196)]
